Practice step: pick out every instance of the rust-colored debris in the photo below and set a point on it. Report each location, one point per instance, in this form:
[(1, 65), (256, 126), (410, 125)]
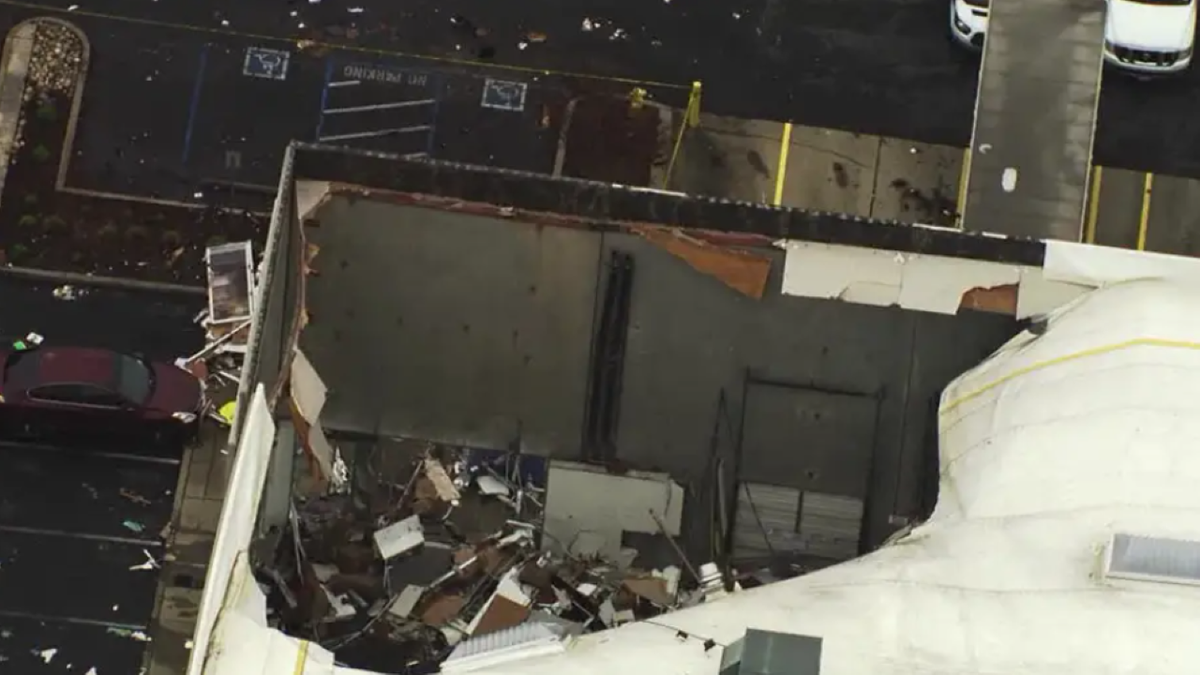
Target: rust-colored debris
[(998, 299), (442, 610), (743, 271)]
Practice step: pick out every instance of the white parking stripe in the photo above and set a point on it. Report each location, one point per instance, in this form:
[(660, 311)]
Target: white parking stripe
[(37, 447), (47, 618), (381, 132), (379, 106), (345, 83), (17, 529)]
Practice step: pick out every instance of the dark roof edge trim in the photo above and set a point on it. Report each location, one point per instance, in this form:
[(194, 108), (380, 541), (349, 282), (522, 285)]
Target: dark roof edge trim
[(606, 201)]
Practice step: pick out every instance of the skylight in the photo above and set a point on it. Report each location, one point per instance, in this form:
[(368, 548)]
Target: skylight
[(1171, 561)]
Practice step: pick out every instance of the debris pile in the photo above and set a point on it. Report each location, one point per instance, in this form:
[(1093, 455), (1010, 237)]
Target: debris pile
[(226, 321), (395, 577)]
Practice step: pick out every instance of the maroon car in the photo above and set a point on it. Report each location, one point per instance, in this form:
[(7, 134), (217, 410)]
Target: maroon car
[(47, 388)]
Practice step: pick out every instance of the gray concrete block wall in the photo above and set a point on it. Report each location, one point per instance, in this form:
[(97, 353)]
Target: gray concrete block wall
[(450, 327), (469, 330)]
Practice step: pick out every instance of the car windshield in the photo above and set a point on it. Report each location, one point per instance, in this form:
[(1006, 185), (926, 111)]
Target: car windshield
[(134, 378)]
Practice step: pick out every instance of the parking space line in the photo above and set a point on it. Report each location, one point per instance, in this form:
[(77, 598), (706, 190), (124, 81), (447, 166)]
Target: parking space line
[(378, 106), (1089, 228), (1144, 216), (785, 144), (439, 90), (195, 103), (17, 529), (379, 132), (961, 199), (47, 618), (324, 96), (339, 83), (14, 446)]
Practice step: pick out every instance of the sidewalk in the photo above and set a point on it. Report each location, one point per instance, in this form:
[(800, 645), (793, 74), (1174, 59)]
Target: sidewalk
[(189, 544)]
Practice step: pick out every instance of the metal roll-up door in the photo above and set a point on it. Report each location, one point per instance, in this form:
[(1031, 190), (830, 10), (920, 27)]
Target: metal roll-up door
[(830, 525), (766, 521), (788, 523)]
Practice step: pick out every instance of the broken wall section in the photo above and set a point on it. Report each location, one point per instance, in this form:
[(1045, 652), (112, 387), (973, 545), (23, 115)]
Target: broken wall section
[(278, 306), (471, 328)]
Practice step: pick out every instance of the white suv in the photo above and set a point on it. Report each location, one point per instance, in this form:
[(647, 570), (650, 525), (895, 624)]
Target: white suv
[(1148, 37)]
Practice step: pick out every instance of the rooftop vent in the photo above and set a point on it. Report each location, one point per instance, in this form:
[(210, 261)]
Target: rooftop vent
[(1170, 561), (764, 652)]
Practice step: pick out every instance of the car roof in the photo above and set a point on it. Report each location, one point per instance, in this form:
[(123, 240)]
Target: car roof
[(50, 365)]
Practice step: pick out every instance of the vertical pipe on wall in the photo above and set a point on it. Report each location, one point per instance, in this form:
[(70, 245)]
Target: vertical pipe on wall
[(866, 526), (597, 293), (736, 480)]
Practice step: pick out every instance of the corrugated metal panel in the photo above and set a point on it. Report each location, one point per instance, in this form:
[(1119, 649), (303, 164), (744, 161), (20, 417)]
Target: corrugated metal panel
[(830, 525), (794, 523), (778, 509)]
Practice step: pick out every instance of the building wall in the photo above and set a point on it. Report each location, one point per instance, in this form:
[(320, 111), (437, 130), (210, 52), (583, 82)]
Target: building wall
[(450, 327), (471, 330)]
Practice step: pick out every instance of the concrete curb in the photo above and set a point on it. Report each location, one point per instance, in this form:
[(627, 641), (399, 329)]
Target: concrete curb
[(64, 160), (14, 65)]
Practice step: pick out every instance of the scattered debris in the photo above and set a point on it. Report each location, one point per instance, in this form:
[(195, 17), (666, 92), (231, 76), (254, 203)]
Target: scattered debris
[(231, 287), (150, 563), (134, 497), (133, 526), (128, 633), (69, 292), (431, 547), (47, 654)]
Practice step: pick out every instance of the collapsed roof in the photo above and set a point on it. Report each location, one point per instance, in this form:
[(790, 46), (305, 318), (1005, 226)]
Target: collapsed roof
[(918, 271)]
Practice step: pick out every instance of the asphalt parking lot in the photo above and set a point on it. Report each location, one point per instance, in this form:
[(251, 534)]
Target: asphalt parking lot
[(882, 67), (74, 521), (164, 112)]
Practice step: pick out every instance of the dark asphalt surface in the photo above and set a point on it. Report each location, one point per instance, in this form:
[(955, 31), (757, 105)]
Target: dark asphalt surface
[(874, 66), (65, 552), (166, 110)]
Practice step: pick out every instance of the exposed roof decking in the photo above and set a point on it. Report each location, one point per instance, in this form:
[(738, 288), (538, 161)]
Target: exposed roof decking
[(1035, 117)]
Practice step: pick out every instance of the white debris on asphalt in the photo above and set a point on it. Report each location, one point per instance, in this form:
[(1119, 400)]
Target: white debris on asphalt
[(150, 563), (69, 292), (48, 654), (588, 26)]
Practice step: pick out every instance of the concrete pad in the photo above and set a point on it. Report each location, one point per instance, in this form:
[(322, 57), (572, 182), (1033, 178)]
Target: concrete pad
[(917, 182), (1174, 217), (830, 170), (176, 623), (729, 158), (199, 515)]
